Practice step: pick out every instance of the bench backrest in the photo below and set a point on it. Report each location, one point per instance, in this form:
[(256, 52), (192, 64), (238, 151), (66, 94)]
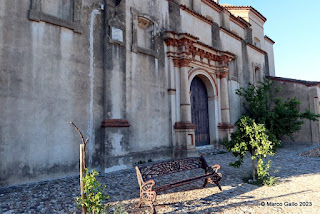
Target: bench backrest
[(172, 166)]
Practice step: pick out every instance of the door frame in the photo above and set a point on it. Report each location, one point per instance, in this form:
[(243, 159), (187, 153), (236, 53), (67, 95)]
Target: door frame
[(213, 100)]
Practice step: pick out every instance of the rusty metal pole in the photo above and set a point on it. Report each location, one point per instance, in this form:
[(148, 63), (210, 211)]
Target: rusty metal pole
[(82, 172)]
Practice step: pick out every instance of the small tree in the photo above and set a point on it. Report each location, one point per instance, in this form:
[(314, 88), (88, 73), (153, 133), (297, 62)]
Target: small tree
[(269, 119), (253, 138), (93, 190), (281, 117)]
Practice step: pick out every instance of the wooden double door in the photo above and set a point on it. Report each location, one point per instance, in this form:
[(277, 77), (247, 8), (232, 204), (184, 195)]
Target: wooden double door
[(199, 111)]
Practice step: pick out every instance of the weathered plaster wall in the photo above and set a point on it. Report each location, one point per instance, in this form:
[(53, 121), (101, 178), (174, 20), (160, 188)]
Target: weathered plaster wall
[(60, 9), (309, 132), (269, 49), (257, 28), (236, 75), (209, 12), (196, 27), (51, 75), (188, 3), (44, 80), (141, 79), (256, 59), (242, 13), (237, 29)]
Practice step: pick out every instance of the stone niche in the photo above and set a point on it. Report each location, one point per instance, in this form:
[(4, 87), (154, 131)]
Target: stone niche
[(63, 13), (62, 9), (144, 34)]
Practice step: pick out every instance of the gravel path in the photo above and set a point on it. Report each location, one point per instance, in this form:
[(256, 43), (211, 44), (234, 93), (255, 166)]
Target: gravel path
[(298, 191)]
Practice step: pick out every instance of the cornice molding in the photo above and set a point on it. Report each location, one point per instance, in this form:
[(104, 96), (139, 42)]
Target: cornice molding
[(269, 40), (184, 125), (225, 126), (288, 80), (239, 21), (115, 123), (231, 34), (213, 5), (256, 48), (195, 14), (222, 75)]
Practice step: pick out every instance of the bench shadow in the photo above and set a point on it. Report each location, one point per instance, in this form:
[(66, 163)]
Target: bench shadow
[(210, 199), (285, 164), (122, 186)]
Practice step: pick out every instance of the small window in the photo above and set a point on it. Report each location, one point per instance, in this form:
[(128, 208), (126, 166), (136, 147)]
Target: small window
[(256, 42), (257, 76)]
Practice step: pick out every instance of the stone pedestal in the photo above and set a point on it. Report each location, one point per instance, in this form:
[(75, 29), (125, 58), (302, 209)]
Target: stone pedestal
[(116, 144), (185, 140)]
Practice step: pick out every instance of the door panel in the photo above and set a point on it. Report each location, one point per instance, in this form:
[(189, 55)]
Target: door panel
[(199, 111)]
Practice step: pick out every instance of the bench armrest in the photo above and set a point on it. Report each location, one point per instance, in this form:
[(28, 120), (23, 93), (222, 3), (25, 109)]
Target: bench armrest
[(215, 168)]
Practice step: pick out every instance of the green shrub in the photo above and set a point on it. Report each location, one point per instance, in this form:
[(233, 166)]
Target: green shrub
[(281, 117), (253, 138), (94, 197)]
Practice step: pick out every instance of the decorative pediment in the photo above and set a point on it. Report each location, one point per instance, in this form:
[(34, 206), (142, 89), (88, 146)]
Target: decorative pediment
[(186, 50)]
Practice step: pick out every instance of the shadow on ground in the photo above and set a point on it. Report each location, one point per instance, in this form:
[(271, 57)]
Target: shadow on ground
[(286, 163), (58, 196)]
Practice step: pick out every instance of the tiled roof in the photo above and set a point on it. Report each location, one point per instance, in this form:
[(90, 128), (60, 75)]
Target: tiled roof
[(231, 7)]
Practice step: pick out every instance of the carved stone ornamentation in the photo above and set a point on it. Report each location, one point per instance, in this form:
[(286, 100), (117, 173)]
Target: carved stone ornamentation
[(222, 75), (183, 49)]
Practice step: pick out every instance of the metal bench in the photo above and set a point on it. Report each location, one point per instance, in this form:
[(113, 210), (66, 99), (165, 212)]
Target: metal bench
[(146, 175)]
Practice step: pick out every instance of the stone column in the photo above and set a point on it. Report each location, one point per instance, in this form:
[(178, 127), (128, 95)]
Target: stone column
[(225, 110), (185, 105), (185, 135), (172, 99), (225, 127)]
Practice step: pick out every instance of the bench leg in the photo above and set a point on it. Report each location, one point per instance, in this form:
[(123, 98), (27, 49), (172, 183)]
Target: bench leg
[(214, 180), (217, 183), (205, 183), (139, 204), (147, 197)]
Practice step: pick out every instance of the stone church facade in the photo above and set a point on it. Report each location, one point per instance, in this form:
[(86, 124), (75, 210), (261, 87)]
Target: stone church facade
[(143, 79)]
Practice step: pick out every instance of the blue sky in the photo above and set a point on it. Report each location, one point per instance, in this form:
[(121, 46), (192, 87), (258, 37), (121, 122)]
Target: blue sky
[(295, 27)]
